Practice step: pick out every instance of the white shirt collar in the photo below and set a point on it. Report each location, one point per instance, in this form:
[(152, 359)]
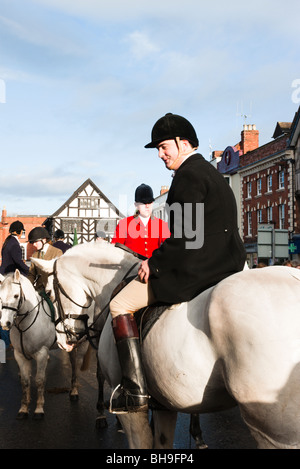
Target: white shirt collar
[(184, 159), (144, 220), (45, 248)]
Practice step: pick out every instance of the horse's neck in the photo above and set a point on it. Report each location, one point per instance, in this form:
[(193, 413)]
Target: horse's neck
[(106, 286)]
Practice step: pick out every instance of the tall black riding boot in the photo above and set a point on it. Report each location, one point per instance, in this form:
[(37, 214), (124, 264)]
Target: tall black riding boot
[(131, 395)]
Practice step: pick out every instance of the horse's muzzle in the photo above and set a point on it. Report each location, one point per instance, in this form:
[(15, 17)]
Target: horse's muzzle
[(67, 347), (6, 326)]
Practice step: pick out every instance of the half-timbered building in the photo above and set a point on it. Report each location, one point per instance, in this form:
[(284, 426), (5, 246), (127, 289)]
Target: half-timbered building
[(87, 211)]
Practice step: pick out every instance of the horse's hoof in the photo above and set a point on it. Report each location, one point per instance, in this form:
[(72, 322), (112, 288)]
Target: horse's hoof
[(201, 445), (101, 422), (74, 397), (22, 415), (38, 416)]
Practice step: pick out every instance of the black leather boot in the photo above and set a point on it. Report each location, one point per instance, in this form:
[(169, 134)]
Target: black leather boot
[(131, 395)]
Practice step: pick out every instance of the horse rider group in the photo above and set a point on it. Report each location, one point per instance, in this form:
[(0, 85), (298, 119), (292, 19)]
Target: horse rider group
[(177, 267)]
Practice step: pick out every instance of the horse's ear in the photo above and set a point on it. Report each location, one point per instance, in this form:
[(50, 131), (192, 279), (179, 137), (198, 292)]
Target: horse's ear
[(17, 276), (44, 265)]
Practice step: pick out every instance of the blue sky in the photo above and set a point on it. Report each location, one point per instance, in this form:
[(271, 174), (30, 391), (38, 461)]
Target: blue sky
[(83, 81)]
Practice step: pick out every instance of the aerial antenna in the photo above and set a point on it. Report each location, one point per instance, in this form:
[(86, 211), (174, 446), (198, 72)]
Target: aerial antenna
[(240, 111), (210, 149)]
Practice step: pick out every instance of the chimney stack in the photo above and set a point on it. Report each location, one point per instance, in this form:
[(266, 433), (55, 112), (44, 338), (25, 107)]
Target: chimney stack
[(250, 138), (4, 215)]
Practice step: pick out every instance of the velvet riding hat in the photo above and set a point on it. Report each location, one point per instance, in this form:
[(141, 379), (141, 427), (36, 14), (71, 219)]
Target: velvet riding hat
[(144, 194), (171, 126)]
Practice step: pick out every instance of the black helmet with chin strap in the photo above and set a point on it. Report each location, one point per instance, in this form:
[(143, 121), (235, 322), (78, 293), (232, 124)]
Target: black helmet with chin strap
[(37, 234), (171, 126)]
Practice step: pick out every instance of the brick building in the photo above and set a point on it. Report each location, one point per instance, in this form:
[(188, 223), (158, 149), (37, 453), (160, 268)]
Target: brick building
[(294, 144), (262, 178), (29, 222)]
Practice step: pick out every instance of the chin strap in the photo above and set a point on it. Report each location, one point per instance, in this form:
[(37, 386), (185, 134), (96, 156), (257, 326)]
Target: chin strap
[(180, 153)]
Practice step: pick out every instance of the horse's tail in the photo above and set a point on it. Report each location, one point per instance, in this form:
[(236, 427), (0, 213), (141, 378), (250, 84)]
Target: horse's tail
[(86, 359)]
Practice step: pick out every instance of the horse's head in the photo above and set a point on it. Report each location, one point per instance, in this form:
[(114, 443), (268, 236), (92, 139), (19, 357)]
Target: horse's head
[(11, 297), (73, 305)]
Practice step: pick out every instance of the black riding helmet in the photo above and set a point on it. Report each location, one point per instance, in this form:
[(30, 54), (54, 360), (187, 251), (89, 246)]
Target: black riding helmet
[(16, 227), (171, 126), (59, 234), (37, 234), (144, 194)]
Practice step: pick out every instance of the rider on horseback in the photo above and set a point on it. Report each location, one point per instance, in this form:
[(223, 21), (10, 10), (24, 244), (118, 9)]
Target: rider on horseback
[(182, 267)]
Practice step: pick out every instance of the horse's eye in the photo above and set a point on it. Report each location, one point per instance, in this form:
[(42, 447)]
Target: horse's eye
[(16, 296)]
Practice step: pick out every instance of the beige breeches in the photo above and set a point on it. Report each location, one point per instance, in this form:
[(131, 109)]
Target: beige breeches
[(134, 296)]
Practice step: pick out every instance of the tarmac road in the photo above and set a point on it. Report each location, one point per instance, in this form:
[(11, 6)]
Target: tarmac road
[(69, 425)]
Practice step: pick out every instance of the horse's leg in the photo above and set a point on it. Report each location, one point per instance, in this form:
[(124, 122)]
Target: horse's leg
[(164, 424), (137, 430), (196, 432), (101, 421), (74, 380), (25, 375), (41, 358)]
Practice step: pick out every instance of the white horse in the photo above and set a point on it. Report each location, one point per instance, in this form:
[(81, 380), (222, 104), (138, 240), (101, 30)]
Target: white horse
[(237, 343), (32, 333)]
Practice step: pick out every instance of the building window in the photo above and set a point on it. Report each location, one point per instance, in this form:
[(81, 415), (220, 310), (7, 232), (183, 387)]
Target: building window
[(269, 214), (249, 220), (249, 189), (269, 183), (69, 225), (258, 186), (89, 202), (281, 180), (281, 216), (259, 216)]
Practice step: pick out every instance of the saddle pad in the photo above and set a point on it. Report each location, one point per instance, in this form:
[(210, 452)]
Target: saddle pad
[(147, 317)]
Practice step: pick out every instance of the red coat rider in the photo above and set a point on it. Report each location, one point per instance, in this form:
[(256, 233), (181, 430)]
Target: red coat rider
[(142, 233)]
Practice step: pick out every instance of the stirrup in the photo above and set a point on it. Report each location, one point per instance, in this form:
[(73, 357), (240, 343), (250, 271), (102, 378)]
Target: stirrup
[(123, 411)]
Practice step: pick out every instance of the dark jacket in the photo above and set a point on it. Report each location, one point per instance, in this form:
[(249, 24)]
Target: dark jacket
[(12, 257), (179, 273), (62, 246)]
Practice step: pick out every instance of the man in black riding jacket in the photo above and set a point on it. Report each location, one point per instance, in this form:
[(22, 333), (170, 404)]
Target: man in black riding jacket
[(203, 249)]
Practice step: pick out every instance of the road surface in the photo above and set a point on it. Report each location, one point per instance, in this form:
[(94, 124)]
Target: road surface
[(68, 425)]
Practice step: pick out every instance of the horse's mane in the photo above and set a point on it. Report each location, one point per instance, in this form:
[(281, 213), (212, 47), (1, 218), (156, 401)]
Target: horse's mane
[(100, 249)]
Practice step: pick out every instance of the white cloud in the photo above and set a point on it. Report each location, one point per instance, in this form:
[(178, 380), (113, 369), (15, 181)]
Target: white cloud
[(87, 79), (141, 46)]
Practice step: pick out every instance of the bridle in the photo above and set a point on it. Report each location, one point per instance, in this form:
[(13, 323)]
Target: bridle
[(62, 316), (23, 316), (12, 308)]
